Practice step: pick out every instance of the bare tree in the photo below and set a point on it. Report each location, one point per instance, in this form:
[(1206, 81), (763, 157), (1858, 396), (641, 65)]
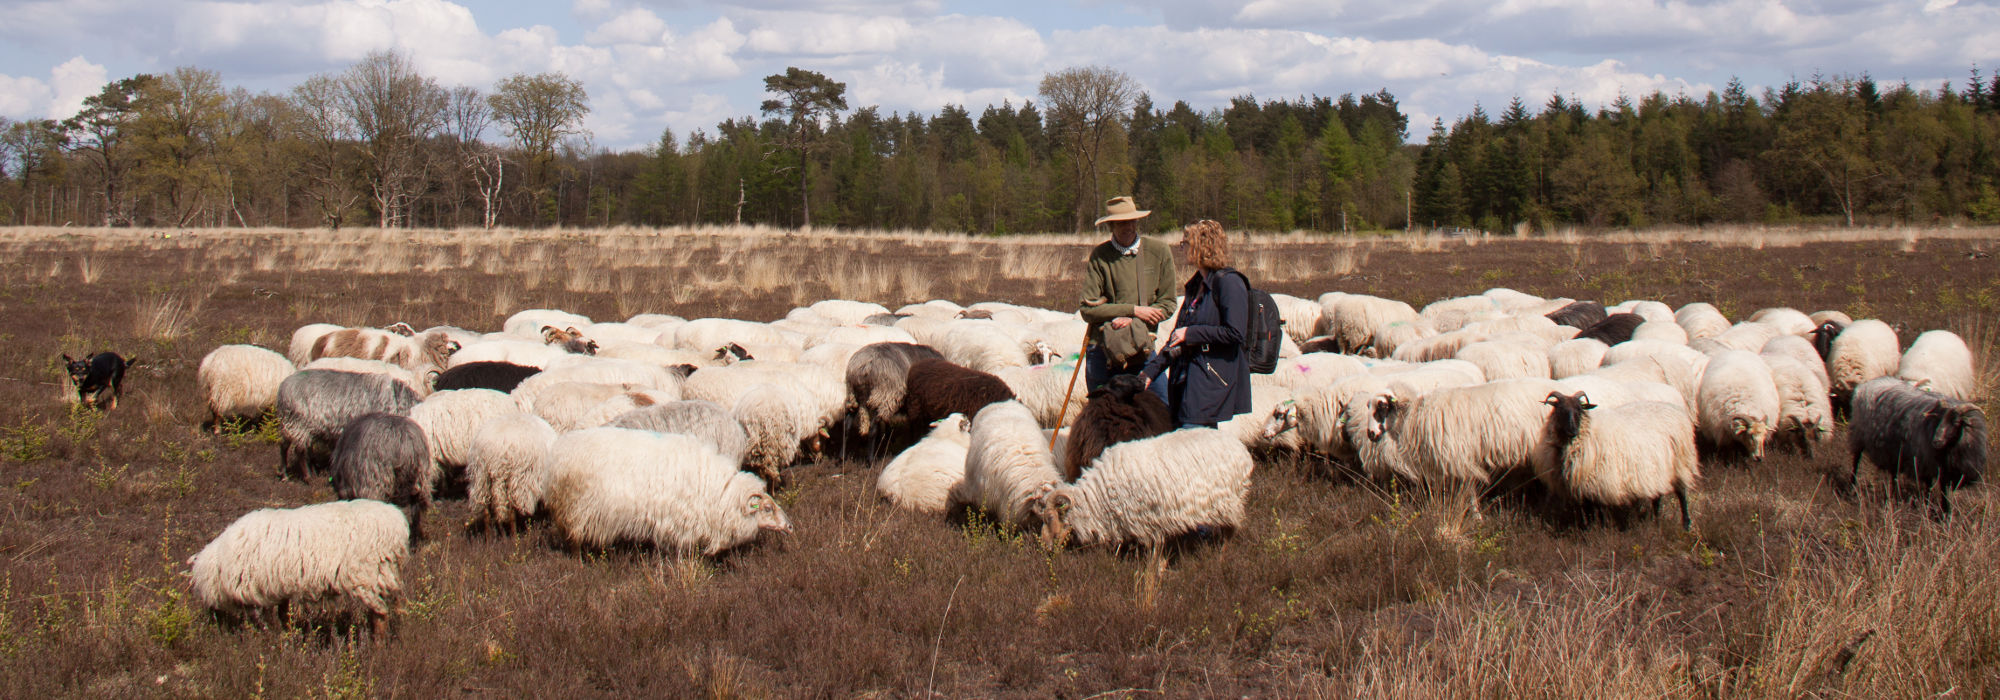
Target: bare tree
[(394, 109), (319, 126), (1085, 104), (538, 112), (466, 117)]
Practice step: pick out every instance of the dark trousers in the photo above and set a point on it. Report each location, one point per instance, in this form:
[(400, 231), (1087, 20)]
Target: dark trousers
[(1097, 371)]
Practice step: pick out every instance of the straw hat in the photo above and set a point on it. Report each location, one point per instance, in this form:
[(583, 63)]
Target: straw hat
[(1121, 209)]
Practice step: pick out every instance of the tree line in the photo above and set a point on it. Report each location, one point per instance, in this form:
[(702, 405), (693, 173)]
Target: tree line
[(381, 144)]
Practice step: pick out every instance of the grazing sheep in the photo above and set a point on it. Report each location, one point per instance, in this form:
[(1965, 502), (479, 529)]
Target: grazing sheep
[(360, 366), (1799, 350), (621, 373), (1805, 412), (499, 376), (386, 458), (300, 349), (1006, 463), (1579, 314), (1737, 404), (570, 406), (1664, 331), (707, 334), (1312, 370), (653, 355), (876, 375), (1609, 391), (1701, 320), (528, 324), (844, 312), (315, 406), (1044, 389), (272, 557), (1318, 344), (421, 355), (513, 351), (1787, 320), (508, 468), (1353, 318), (922, 477), (1120, 411), (1939, 361), (777, 420), (1300, 316), (1148, 491), (1839, 318), (1573, 357), (1936, 439), (980, 345), (1652, 311), (240, 382), (938, 388), (703, 419), (1442, 346), (1614, 329), (1466, 436), (1822, 337), (1618, 456), (725, 386), (611, 486), (654, 321), (1394, 335), (1500, 359), (451, 418), (608, 333), (1866, 349)]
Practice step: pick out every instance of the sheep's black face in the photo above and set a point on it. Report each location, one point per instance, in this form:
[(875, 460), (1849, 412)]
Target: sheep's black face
[(1124, 386), (1566, 414), (1823, 338)]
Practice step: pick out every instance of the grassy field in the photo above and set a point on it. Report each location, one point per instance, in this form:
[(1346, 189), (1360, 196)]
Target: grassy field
[(1790, 584)]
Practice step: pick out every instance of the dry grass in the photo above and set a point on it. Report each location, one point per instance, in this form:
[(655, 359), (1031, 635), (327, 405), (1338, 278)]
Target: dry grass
[(1333, 588)]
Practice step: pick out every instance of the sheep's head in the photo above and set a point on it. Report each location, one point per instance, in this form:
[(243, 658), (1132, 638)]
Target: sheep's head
[(1955, 420), (1751, 433), (1284, 417), (767, 514), (580, 346), (401, 328), (955, 421), (1566, 413), (732, 353), (975, 313), (1381, 408), (1052, 509), (552, 335), (1039, 353), (1822, 338)]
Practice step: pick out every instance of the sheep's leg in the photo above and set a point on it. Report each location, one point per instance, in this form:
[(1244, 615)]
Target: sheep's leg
[(1854, 473), (1687, 524), (284, 613)]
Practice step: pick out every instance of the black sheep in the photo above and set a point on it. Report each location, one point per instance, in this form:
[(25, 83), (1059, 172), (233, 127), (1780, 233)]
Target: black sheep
[(1938, 440), (1822, 338), (1614, 329), (383, 456), (1120, 411), (875, 377), (937, 388), (1579, 314), (99, 379), (498, 376)]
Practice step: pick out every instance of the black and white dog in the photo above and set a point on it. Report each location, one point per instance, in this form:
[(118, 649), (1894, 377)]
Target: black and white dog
[(99, 379)]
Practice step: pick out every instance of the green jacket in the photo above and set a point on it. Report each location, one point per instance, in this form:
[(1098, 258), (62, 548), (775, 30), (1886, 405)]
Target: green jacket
[(1114, 278)]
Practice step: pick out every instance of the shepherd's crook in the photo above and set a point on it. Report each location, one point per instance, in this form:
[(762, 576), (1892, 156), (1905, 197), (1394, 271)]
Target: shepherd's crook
[(1071, 391)]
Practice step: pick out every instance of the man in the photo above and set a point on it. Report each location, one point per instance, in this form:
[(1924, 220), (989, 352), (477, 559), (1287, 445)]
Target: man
[(1128, 289)]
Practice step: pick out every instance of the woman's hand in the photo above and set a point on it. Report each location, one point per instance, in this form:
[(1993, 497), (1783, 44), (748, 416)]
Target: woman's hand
[(1178, 335)]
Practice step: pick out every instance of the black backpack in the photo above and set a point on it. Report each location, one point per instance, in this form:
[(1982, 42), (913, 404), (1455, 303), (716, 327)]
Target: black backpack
[(1267, 330)]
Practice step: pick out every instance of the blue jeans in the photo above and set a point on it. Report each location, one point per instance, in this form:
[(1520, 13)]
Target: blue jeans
[(1097, 371), (1185, 426)]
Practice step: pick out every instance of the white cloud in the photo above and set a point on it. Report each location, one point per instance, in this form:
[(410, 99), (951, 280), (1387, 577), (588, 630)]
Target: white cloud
[(58, 97), (819, 34)]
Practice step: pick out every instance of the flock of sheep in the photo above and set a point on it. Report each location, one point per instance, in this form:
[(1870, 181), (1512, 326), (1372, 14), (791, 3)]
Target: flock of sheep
[(667, 432)]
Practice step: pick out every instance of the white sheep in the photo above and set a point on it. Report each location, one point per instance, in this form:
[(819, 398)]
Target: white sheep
[(1787, 320), (241, 382), (1507, 359), (844, 312), (450, 419), (1805, 411), (1301, 316), (1938, 361), (1608, 392), (1313, 369), (607, 333), (1799, 350), (1652, 311), (655, 321), (979, 344), (1820, 318), (702, 419), (1467, 436), (518, 351), (859, 336), (1148, 491), (777, 419), (1866, 349), (707, 334), (825, 389), (268, 557), (1748, 335), (609, 486), (1509, 301), (1043, 388), (1738, 402), (1318, 417), (420, 354), (570, 406), (1006, 463), (1618, 456), (1663, 331), (652, 354), (528, 324), (300, 350), (1442, 346), (939, 309), (1701, 320), (1249, 428), (1573, 357), (507, 468), (1396, 334), (922, 477), (1353, 318), (629, 374)]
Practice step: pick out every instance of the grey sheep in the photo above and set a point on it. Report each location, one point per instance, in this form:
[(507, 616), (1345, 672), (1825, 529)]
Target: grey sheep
[(703, 419), (385, 457), (314, 406), (1938, 440), (876, 379)]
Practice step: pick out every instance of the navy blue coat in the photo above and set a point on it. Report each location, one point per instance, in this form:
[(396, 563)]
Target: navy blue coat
[(1210, 381)]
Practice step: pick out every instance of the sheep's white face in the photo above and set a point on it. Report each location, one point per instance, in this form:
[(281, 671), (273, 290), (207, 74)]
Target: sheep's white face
[(1380, 408), (1751, 433), (766, 513), (1284, 417), (955, 421)]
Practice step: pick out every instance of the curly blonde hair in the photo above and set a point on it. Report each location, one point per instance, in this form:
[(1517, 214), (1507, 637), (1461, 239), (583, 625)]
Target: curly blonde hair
[(1206, 244)]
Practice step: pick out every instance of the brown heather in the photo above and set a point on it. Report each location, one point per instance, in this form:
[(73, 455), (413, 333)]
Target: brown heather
[(1788, 586)]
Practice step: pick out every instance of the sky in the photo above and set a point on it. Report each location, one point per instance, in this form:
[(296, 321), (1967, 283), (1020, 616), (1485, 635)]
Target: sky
[(650, 65)]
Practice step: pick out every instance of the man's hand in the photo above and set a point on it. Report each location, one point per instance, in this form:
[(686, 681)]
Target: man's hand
[(1121, 322), (1149, 314)]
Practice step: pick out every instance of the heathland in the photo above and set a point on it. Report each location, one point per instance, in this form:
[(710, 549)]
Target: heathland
[(1790, 584)]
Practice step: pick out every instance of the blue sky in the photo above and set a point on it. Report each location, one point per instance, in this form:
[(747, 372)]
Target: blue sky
[(687, 64)]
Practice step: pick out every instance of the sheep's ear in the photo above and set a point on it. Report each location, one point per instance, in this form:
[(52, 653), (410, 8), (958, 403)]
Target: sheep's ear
[(1739, 425), (758, 501), (451, 347), (572, 331), (1060, 502)]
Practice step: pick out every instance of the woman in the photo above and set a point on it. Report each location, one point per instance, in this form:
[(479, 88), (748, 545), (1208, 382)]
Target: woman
[(1210, 377)]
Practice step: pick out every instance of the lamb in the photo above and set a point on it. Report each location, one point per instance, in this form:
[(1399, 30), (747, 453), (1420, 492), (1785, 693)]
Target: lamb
[(1939, 361), (1614, 329), (922, 477), (1149, 491), (1579, 314), (1573, 357), (875, 379), (1805, 412), (1006, 464), (1120, 411), (300, 349), (703, 419), (1936, 439), (353, 549), (508, 468), (938, 388), (777, 419), (1737, 403), (502, 377), (314, 406), (451, 419), (611, 486), (240, 383), (1618, 456), (1865, 350), (385, 457), (1701, 320)]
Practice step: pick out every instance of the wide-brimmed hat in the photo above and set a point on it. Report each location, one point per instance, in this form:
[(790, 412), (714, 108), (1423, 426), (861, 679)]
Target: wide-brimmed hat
[(1121, 209)]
